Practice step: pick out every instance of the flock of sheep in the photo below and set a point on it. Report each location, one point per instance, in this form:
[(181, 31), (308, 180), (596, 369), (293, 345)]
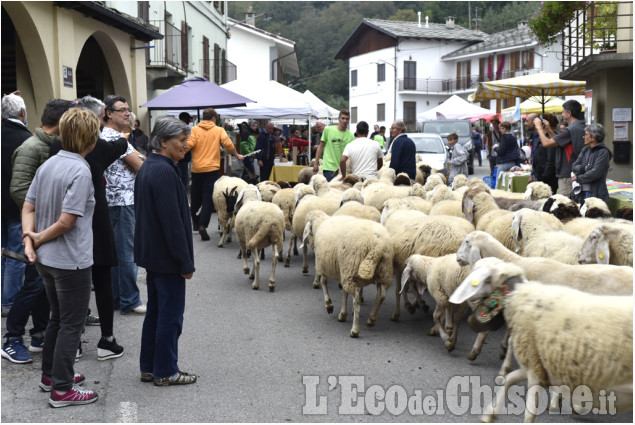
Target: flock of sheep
[(468, 246)]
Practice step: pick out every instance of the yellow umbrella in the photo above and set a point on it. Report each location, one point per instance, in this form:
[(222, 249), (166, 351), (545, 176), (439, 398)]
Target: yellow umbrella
[(532, 107), (541, 87)]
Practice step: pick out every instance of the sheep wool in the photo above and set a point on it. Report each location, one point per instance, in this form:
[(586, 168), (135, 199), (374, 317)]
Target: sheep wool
[(224, 195)]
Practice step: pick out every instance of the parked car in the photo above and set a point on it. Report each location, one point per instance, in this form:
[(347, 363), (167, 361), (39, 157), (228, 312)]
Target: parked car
[(430, 149), (463, 128)]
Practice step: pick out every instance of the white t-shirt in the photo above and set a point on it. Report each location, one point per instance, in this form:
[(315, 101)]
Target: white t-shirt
[(364, 153)]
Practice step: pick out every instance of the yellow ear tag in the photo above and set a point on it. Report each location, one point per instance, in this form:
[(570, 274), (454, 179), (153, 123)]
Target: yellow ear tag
[(514, 233), (601, 255), (469, 210), (475, 282)]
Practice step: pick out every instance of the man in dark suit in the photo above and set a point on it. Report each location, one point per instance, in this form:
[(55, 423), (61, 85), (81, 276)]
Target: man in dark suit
[(403, 151)]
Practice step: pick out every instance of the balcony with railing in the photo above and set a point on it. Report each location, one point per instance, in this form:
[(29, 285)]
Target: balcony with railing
[(453, 85), (167, 53), (218, 71), (598, 27)]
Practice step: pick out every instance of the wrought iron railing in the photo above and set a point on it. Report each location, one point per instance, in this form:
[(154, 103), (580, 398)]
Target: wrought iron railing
[(167, 52), (598, 27), (430, 85)]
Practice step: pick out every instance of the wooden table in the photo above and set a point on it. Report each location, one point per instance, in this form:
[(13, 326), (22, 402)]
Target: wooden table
[(288, 173), (512, 182)]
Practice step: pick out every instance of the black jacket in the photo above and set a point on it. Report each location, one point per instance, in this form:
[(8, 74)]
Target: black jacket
[(104, 154), (591, 168), (13, 134)]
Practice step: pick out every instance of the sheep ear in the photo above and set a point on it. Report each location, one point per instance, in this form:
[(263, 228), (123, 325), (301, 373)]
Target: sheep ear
[(468, 209), (474, 256), (583, 210), (306, 233), (361, 196), (259, 195), (602, 254), (405, 276), (527, 194), (472, 284), (382, 219), (240, 196), (516, 232)]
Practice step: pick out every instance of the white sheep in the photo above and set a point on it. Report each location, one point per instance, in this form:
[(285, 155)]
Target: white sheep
[(352, 204), (608, 244), (285, 200), (412, 232), (462, 181), (224, 195), (355, 253), (480, 209), (541, 240), (448, 207), (305, 174), (583, 226), (259, 225), (588, 278), (268, 189), (323, 189), (433, 181), (593, 278), (423, 172), (440, 276), (560, 336), (376, 194), (537, 190), (442, 193), (307, 202)]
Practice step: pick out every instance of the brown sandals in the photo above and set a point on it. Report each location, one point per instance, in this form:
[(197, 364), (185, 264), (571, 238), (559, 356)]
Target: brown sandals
[(181, 378)]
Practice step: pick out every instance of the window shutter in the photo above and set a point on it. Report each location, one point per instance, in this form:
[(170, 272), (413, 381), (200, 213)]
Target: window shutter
[(184, 52)]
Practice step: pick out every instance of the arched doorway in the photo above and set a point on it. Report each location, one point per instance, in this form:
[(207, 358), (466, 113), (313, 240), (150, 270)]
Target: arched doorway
[(93, 75), (10, 45)]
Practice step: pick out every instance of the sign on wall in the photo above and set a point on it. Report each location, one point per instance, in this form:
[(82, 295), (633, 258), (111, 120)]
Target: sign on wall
[(67, 74)]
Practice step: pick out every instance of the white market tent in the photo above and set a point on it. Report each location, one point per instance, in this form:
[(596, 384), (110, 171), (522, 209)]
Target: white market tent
[(455, 108), (273, 100), (324, 110)]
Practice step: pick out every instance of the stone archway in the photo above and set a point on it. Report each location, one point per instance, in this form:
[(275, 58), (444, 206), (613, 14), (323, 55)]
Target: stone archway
[(116, 71), (92, 74), (26, 64)]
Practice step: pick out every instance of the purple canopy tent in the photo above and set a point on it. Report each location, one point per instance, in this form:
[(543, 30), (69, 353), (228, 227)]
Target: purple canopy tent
[(196, 93)]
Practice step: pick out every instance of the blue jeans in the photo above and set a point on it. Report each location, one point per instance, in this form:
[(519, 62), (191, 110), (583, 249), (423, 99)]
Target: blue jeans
[(163, 324), (328, 175), (68, 292), (506, 166), (125, 291), (31, 300), (12, 270)]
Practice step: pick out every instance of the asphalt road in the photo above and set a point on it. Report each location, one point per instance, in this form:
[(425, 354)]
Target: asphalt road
[(277, 357)]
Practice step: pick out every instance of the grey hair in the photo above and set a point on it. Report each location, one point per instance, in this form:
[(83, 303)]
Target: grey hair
[(596, 131), (91, 104), (401, 126), (12, 106), (166, 128)]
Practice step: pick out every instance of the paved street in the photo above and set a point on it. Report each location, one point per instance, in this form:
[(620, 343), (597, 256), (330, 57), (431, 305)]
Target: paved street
[(252, 351)]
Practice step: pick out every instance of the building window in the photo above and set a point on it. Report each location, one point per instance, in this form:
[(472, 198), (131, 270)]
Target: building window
[(410, 75), (381, 72), (206, 64), (354, 78), (217, 63), (185, 39), (353, 114), (381, 112), (223, 69), (410, 114)]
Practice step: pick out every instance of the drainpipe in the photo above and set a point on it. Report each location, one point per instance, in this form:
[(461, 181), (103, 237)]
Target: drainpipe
[(281, 57)]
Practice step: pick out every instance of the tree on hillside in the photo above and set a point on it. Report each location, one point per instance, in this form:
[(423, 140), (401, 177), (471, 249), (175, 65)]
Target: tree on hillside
[(507, 17)]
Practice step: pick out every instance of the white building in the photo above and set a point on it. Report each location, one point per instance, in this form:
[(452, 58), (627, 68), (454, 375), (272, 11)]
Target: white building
[(194, 43), (399, 69), (260, 55)]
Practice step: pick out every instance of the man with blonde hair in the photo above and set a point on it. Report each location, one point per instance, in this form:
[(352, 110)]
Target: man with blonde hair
[(205, 142)]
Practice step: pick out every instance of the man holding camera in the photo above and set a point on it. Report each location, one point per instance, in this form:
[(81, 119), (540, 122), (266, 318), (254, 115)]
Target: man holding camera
[(543, 161)]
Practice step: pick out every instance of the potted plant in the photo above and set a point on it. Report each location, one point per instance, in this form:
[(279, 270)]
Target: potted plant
[(552, 18)]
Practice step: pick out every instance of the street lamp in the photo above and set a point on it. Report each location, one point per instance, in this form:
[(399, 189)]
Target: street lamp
[(394, 91)]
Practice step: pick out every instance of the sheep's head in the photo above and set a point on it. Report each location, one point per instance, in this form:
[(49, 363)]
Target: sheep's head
[(284, 184), (537, 190), (313, 221), (249, 193), (517, 232), (230, 198), (489, 285), (301, 193), (350, 179), (416, 266), (595, 248), (351, 195), (460, 180), (426, 170), (402, 180), (562, 207), (594, 208)]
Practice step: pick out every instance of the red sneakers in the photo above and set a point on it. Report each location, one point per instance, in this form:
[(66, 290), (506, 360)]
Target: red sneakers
[(75, 396), (45, 383)]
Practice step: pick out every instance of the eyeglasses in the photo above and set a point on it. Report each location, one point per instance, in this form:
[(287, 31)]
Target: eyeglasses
[(122, 110)]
